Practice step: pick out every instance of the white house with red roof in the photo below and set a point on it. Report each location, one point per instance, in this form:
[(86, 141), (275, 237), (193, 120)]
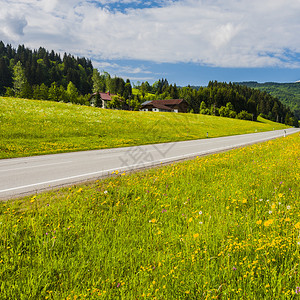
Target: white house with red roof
[(170, 105), (104, 97)]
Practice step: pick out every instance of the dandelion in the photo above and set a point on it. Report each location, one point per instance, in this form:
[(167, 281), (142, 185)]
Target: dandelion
[(270, 222), (258, 222), (297, 226), (196, 235)]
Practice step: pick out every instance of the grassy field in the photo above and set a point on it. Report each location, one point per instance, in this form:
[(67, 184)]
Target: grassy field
[(225, 226), (30, 127)]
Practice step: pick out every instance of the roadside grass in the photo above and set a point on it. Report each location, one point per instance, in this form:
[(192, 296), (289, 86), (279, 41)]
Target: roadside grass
[(225, 226), (31, 127)]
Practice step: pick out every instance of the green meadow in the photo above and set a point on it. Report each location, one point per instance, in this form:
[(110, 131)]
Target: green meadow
[(30, 127), (225, 226)]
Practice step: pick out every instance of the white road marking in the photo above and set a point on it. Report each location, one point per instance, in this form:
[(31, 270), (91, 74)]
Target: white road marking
[(131, 167)]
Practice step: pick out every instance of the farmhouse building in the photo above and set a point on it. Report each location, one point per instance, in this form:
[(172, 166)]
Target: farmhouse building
[(104, 98), (171, 105)]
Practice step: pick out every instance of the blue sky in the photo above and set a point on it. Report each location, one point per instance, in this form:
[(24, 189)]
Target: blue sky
[(185, 41)]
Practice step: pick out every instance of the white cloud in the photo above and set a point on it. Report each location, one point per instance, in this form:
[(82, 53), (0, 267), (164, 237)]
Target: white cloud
[(237, 33)]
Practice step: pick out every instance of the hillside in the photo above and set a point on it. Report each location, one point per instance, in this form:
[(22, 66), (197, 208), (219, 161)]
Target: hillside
[(32, 127), (287, 93)]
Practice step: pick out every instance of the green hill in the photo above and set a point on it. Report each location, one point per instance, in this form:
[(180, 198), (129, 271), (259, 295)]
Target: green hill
[(32, 127), (287, 93)]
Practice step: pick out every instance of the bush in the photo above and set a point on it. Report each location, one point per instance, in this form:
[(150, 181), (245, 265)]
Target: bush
[(243, 115)]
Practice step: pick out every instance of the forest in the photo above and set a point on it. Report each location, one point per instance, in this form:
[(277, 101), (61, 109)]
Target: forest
[(287, 93), (45, 75)]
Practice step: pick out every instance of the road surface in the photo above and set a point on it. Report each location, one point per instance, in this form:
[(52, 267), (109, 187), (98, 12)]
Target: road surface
[(30, 175)]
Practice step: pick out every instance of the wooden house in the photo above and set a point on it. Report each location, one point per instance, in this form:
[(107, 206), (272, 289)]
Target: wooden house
[(171, 105)]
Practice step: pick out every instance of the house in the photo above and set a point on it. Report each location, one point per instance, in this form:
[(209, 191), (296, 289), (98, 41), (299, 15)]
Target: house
[(104, 98), (171, 105)]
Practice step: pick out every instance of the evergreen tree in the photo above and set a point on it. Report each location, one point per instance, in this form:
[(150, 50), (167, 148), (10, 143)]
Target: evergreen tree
[(5, 75)]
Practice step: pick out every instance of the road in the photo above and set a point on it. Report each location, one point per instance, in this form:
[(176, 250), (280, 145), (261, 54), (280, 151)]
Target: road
[(30, 175)]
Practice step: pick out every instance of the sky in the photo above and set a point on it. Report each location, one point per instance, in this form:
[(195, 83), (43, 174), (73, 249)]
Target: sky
[(184, 41)]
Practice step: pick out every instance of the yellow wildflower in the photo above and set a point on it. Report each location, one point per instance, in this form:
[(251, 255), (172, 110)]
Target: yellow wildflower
[(269, 222)]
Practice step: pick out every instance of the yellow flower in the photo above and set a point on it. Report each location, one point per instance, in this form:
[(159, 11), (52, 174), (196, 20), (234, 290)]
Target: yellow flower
[(297, 225), (269, 222), (190, 220), (258, 222), (196, 235)]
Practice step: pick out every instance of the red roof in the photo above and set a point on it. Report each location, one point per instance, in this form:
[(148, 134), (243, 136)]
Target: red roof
[(168, 102), (160, 106), (106, 96)]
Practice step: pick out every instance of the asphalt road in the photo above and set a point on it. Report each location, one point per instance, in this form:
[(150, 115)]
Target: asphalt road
[(30, 175)]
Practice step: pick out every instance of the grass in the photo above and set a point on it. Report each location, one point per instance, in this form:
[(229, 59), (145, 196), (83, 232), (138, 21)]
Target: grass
[(137, 91), (225, 226), (30, 127)]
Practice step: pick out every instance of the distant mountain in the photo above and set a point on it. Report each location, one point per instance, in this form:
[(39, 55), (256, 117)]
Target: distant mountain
[(287, 93)]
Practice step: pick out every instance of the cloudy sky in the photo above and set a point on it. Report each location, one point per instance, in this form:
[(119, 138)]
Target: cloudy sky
[(185, 41)]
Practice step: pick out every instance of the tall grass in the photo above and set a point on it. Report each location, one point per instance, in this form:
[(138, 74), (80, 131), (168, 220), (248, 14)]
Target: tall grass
[(226, 226), (30, 127)]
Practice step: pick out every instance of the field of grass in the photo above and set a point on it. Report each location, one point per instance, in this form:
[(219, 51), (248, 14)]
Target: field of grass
[(225, 226), (137, 91), (30, 127)]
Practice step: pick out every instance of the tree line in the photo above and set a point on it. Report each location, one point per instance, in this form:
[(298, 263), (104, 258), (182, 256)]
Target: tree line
[(224, 99), (45, 75), (22, 70), (287, 93)]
